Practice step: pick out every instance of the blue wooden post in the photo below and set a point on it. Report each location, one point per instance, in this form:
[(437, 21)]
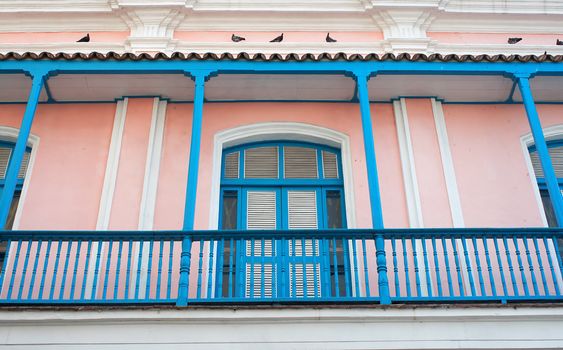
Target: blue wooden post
[(185, 262), (384, 294), (541, 146), (193, 167), (373, 181), (19, 150), (371, 163)]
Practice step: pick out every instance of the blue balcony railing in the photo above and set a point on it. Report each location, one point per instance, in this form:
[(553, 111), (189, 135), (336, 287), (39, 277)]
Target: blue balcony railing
[(379, 266)]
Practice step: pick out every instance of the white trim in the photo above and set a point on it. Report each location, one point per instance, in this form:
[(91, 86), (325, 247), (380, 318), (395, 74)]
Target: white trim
[(152, 165), (112, 165), (412, 193), (10, 134), (410, 180), (282, 131), (285, 328), (448, 165), (527, 140)]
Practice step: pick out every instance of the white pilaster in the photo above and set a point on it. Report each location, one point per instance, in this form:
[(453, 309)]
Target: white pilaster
[(152, 165), (448, 165)]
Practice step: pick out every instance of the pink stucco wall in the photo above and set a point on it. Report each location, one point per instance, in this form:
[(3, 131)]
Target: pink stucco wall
[(254, 36), (428, 164), (171, 194), (61, 37), (341, 117), (132, 159), (493, 38), (67, 177), (491, 171)]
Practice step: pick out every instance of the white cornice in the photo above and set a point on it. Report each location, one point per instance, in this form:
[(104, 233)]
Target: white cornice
[(412, 46)]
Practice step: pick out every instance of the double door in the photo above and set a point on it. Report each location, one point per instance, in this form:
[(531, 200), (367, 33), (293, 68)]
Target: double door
[(288, 267)]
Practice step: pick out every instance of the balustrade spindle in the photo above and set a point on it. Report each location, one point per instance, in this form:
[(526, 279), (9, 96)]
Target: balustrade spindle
[(34, 270), (43, 273), (521, 267), (24, 271), (540, 264), (489, 268), (501, 269), (530, 266), (437, 267), (75, 272), (184, 281)]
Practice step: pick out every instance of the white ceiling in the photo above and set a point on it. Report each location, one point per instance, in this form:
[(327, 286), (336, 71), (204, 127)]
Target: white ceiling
[(451, 88), (278, 87), (108, 87), (15, 88), (546, 89)]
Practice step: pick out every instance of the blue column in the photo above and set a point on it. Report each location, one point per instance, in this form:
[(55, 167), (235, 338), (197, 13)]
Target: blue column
[(371, 163), (193, 167), (541, 147), (19, 150)]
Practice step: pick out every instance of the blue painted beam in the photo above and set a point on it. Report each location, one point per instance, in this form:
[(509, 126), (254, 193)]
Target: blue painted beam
[(249, 67), (19, 149), (193, 167), (371, 163), (541, 147)]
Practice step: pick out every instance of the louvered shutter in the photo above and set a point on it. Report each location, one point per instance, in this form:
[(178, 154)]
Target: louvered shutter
[(300, 163), (25, 163), (4, 159), (330, 165), (261, 163), (302, 214), (232, 165), (556, 154), (5, 154), (261, 215), (302, 209)]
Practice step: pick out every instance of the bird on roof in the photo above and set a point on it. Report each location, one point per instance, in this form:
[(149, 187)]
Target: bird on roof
[(559, 42), (277, 39), (514, 40), (329, 39), (84, 39), (237, 38)]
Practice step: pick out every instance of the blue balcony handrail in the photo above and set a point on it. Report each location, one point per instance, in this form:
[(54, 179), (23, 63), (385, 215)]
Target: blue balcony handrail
[(355, 265)]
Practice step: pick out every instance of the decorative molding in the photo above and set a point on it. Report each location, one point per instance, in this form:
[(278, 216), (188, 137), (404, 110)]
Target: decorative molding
[(10, 134), (448, 165), (285, 131), (112, 165), (447, 327), (152, 165), (527, 140), (410, 181)]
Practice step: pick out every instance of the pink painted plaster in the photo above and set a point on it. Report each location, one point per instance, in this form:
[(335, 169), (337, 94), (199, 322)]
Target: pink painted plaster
[(492, 176), (288, 36), (67, 176), (428, 163), (61, 37), (171, 193), (493, 38), (132, 160)]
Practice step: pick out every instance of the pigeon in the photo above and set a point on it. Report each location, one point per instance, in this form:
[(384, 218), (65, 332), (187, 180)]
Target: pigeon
[(84, 39), (559, 42), (514, 40), (277, 39), (237, 38), (329, 39)]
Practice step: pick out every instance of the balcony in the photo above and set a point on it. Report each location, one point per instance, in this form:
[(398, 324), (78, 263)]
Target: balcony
[(238, 267)]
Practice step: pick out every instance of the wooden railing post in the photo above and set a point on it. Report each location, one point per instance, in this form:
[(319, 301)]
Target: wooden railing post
[(384, 295), (185, 261)]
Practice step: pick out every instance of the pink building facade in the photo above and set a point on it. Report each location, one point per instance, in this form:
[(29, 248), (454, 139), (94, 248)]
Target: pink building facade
[(416, 161)]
